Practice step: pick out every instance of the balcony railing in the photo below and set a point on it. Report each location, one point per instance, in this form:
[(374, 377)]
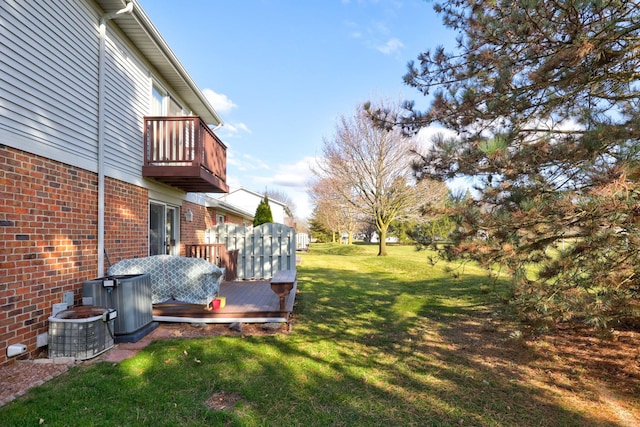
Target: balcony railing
[(183, 152)]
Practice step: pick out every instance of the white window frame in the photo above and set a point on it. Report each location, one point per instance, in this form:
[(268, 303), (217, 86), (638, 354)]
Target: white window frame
[(167, 99), (173, 243)]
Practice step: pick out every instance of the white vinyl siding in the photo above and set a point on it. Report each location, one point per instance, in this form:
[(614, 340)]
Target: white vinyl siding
[(49, 79), (49, 66), (128, 100), (248, 201)]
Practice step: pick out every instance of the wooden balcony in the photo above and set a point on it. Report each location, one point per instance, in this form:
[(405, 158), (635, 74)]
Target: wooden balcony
[(183, 152)]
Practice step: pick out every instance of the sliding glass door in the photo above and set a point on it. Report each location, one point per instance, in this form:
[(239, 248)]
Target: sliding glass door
[(163, 229)]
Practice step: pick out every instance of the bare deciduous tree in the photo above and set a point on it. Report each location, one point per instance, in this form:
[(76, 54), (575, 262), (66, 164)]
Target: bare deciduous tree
[(332, 209), (283, 198), (371, 164)]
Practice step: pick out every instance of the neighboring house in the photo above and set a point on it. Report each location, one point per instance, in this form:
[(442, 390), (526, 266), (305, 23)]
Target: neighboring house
[(249, 200), (105, 152), (226, 213), (375, 238), (220, 211)]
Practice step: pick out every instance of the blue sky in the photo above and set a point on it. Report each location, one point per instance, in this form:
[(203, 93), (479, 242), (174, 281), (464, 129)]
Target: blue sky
[(281, 72)]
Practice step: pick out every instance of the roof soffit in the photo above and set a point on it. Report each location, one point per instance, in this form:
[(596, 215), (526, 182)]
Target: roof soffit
[(144, 35)]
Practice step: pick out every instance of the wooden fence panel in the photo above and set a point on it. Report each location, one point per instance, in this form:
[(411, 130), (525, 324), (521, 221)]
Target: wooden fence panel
[(262, 250)]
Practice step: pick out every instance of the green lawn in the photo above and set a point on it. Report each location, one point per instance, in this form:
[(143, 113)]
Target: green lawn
[(375, 341)]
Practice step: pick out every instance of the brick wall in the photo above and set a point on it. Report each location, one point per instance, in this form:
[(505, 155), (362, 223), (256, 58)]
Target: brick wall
[(192, 232), (48, 238), (48, 241), (230, 218), (126, 219)]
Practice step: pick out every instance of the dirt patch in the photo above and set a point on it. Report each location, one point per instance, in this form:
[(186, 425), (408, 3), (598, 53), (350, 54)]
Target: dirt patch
[(580, 362), (596, 375), (186, 330), (222, 400)]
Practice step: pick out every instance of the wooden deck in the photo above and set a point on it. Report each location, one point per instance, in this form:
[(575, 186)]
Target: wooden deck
[(247, 301)]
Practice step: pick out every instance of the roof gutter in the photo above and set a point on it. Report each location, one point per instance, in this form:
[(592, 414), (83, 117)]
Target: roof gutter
[(101, 126)]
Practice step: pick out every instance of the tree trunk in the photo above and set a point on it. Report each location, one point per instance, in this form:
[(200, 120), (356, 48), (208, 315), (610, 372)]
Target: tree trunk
[(382, 245)]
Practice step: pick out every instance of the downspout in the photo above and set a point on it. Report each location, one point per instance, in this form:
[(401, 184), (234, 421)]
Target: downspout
[(101, 127)]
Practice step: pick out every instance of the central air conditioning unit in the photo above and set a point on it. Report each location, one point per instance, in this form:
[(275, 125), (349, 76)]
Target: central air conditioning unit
[(130, 295)]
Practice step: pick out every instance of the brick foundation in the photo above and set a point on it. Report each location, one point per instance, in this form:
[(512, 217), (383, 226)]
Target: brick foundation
[(48, 238)]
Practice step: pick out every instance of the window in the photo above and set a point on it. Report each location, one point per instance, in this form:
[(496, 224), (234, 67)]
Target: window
[(175, 109), (162, 104), (157, 101)]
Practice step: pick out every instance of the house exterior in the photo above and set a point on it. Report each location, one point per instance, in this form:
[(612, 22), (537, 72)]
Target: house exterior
[(226, 213), (106, 151), (249, 200)]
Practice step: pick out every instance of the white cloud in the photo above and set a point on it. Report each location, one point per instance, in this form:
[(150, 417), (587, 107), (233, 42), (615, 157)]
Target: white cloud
[(231, 159), (391, 46), (234, 128), (233, 183), (255, 162), (425, 136), (354, 31), (380, 28), (220, 102), (294, 175), (372, 37), (246, 162), (303, 207), (290, 178)]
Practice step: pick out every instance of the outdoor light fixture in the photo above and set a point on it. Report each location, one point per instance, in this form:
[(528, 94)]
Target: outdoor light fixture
[(188, 215)]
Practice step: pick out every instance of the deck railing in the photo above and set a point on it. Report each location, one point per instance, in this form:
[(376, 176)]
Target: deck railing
[(183, 141), (215, 253)]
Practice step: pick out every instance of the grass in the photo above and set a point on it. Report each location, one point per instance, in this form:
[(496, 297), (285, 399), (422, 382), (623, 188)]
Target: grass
[(375, 341)]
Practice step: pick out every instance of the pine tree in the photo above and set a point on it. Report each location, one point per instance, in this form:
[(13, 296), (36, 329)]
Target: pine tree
[(544, 98), (263, 213)]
